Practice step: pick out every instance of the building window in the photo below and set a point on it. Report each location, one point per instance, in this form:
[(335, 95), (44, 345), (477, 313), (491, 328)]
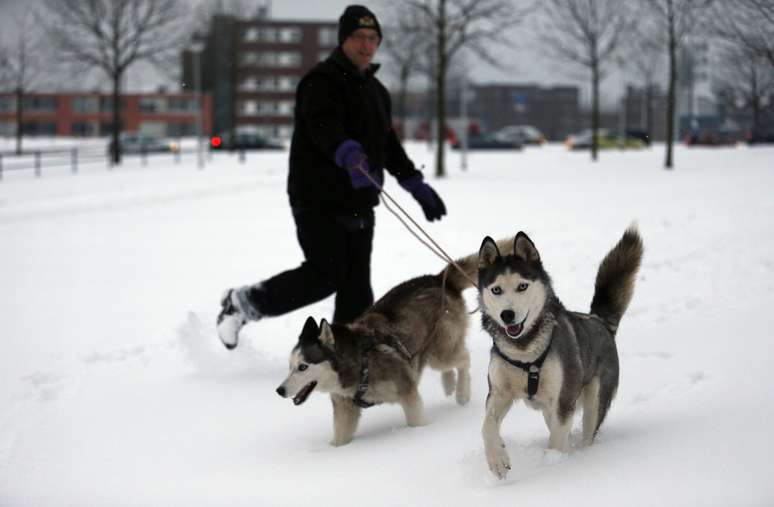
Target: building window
[(268, 35), (287, 83), (328, 37), (40, 104), (83, 129), (85, 105), (290, 35), (267, 59), (7, 104), (248, 84), (106, 104), (7, 128), (248, 108), (181, 105), (323, 55), (149, 105), (249, 58), (251, 35), (39, 128), (289, 59), (285, 108), (181, 129)]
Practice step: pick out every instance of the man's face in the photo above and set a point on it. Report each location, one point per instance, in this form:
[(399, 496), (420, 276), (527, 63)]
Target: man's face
[(360, 47)]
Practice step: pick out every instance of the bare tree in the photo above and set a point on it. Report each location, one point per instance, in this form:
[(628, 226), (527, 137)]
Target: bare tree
[(674, 21), (748, 24), (586, 33), (23, 64), (644, 57), (745, 81), (455, 25), (114, 34), (406, 48)]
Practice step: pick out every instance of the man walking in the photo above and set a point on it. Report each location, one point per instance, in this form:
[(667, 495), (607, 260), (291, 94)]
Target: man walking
[(343, 127)]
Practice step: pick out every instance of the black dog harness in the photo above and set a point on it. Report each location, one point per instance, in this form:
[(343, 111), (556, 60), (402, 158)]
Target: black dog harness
[(362, 385), (532, 369)]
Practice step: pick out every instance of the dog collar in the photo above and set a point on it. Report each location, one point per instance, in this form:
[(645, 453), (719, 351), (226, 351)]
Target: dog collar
[(532, 369)]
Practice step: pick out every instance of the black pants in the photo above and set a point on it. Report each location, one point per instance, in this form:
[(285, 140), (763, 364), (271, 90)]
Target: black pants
[(337, 249)]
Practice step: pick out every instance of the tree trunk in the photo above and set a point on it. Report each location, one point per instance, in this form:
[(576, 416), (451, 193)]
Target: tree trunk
[(19, 119), (440, 170), (649, 111), (402, 93), (671, 94), (594, 109), (116, 131), (755, 96)]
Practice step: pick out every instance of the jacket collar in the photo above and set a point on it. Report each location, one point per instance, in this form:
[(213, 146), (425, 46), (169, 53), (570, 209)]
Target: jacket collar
[(339, 58)]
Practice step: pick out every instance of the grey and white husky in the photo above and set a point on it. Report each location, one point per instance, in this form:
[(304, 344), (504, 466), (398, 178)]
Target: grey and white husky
[(544, 354), (379, 357)]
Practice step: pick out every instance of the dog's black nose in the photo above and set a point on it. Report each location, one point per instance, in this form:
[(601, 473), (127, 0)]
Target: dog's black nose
[(281, 391), (507, 316)]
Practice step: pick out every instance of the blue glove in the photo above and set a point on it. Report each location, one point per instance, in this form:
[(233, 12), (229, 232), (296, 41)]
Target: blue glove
[(431, 204), (350, 156)]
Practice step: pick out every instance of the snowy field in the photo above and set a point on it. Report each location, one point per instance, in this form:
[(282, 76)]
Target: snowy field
[(114, 390)]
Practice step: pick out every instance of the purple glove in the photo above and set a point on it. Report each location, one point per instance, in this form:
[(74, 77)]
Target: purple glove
[(350, 156), (431, 204)]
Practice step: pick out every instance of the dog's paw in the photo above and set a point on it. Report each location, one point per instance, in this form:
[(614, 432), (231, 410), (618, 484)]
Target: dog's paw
[(339, 441), (499, 462), (416, 421), (449, 381), (463, 395)]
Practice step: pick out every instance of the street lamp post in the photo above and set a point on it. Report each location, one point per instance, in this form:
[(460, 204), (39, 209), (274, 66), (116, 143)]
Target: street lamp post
[(196, 48)]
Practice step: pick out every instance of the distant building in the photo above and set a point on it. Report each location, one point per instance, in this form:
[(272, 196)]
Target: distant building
[(90, 114), (646, 115), (252, 67), (553, 110)]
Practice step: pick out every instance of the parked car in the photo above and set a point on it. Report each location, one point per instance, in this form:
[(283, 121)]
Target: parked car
[(489, 142), (605, 141), (525, 134), (244, 141), (135, 142)]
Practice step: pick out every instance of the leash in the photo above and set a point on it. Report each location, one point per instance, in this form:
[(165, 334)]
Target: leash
[(435, 248)]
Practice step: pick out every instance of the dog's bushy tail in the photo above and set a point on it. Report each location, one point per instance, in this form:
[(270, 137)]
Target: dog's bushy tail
[(469, 266), (615, 279)]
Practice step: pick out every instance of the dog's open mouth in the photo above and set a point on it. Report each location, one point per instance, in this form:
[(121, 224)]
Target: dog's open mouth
[(304, 393), (514, 330)]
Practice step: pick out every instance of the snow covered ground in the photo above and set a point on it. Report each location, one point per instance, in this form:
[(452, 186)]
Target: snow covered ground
[(114, 389)]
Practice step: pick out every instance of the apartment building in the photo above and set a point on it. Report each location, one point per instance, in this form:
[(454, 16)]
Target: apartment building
[(252, 67)]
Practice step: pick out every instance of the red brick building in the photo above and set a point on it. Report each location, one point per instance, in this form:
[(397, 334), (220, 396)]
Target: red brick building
[(90, 114)]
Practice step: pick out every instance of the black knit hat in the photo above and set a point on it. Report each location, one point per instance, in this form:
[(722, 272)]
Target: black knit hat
[(354, 18)]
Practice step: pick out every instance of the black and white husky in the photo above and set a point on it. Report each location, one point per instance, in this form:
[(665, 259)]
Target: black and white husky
[(544, 354), (379, 358)]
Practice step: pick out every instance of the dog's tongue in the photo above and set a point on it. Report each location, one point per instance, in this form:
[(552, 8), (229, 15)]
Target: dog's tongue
[(514, 330), (303, 394)]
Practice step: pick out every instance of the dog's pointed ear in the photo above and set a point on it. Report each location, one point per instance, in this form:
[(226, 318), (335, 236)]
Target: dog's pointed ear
[(488, 253), (524, 248), (310, 331), (326, 334)]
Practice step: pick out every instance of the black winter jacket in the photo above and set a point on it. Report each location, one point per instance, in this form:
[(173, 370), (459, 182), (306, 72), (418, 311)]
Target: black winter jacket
[(335, 102)]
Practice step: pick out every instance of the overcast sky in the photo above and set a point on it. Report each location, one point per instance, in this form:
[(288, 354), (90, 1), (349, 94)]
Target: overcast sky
[(522, 63)]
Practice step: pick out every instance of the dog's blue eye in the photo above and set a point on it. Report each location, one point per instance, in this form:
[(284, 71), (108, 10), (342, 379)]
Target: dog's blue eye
[(497, 291), (302, 367), (522, 287)]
